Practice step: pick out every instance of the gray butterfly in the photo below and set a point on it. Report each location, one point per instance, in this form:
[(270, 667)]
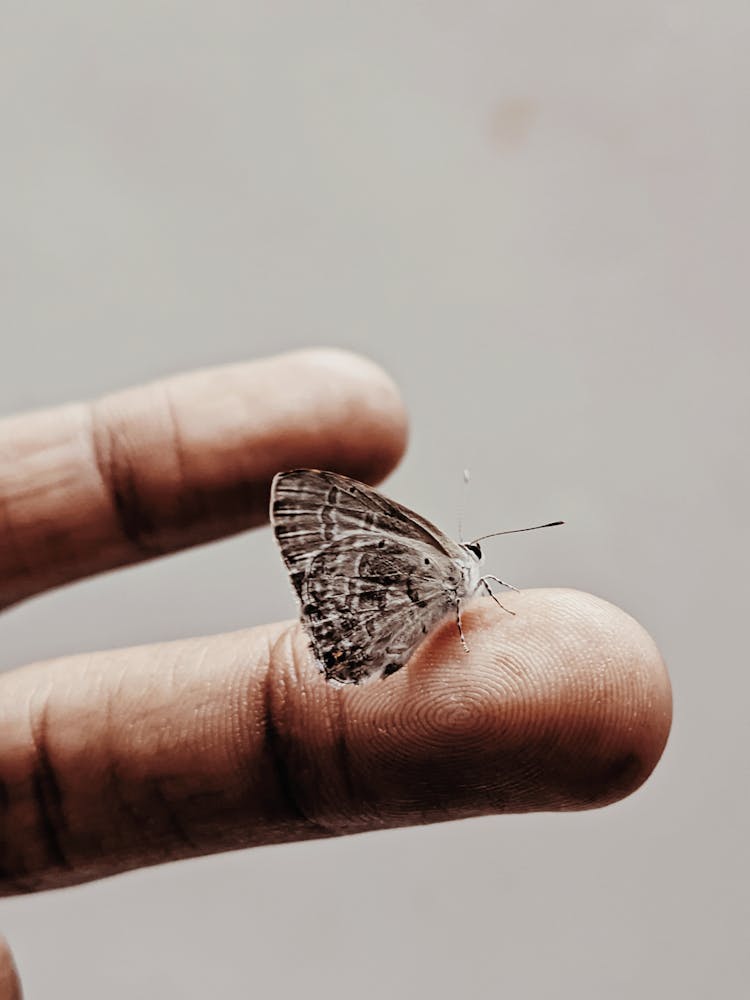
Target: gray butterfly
[(372, 576)]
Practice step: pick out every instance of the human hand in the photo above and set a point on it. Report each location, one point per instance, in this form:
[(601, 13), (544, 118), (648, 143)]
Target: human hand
[(133, 757)]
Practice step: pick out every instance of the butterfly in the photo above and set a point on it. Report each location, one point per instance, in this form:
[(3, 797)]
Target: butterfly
[(372, 577)]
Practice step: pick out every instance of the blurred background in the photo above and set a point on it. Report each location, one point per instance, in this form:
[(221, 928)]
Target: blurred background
[(535, 216)]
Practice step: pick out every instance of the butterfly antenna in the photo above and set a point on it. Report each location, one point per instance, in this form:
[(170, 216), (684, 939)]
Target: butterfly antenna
[(461, 507), (515, 531)]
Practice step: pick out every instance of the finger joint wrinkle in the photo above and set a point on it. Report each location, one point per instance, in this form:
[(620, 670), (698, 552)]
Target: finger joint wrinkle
[(17, 569), (279, 755), (117, 473), (47, 793)]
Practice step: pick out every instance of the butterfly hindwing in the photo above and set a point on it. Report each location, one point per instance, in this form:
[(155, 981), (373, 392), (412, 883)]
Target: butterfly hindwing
[(368, 601)]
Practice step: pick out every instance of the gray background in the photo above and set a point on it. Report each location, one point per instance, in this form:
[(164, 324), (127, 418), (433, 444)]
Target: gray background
[(535, 216)]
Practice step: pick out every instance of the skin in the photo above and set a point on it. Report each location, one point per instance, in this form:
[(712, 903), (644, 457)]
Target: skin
[(133, 757)]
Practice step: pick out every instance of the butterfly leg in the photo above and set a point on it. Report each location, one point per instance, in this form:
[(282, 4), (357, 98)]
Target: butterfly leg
[(460, 629), (503, 583), (487, 587)]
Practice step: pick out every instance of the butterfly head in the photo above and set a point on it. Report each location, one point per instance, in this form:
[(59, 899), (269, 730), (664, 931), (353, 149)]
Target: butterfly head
[(475, 549)]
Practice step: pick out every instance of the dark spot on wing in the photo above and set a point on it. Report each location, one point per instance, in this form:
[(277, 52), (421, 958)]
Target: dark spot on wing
[(391, 668), (332, 657)]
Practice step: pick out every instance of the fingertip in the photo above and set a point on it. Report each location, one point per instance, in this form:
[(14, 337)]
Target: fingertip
[(564, 706), (366, 408), (578, 685)]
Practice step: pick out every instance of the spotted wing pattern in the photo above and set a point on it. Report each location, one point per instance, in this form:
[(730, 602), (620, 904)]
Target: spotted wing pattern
[(372, 577)]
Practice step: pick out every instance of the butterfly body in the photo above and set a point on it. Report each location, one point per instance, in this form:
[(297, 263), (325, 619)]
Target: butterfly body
[(372, 577)]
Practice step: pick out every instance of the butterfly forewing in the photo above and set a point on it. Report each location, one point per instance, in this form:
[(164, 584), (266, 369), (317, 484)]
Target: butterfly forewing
[(308, 503), (372, 577)]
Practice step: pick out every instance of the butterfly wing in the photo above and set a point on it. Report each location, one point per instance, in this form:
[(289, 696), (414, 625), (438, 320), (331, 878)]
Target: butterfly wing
[(367, 605), (372, 576), (310, 508)]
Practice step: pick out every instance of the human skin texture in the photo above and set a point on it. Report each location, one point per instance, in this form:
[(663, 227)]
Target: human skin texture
[(116, 760)]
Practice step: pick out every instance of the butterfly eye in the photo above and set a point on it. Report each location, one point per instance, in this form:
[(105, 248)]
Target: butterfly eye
[(474, 547)]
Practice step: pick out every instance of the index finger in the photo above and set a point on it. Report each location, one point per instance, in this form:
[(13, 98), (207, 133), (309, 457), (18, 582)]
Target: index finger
[(133, 757), (91, 486)]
